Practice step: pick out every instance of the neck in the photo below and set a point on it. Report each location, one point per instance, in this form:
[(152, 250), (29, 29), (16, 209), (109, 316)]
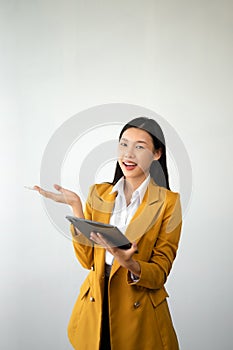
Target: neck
[(130, 185)]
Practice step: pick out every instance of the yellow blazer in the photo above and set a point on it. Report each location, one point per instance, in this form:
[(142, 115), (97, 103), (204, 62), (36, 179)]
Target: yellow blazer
[(138, 311)]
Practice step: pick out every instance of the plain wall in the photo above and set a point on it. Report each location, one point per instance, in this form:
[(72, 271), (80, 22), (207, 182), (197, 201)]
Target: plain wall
[(62, 57)]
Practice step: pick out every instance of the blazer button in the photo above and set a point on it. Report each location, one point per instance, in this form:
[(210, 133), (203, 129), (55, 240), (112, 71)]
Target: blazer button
[(136, 304), (92, 299)]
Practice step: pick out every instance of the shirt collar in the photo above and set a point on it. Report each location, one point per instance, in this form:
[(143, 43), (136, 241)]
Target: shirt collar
[(140, 191)]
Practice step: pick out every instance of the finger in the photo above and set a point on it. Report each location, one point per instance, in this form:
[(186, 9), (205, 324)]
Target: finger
[(47, 194), (50, 195), (95, 238), (58, 188), (77, 231), (134, 247), (39, 189), (104, 241), (101, 240), (98, 238)]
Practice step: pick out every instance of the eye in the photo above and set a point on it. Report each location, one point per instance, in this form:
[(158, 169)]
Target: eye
[(123, 144), (139, 147)]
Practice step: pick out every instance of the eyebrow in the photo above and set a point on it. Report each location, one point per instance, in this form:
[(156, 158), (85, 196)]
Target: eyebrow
[(139, 141)]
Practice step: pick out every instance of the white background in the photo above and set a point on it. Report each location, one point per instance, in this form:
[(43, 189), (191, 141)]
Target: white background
[(61, 57)]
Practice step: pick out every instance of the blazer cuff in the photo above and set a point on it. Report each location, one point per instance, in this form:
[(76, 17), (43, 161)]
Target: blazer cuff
[(134, 278), (131, 278), (150, 277)]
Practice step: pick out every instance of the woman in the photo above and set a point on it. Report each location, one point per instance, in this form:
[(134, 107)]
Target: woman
[(122, 303)]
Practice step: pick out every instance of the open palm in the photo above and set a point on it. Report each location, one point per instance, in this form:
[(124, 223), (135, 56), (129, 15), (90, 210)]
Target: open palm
[(64, 196)]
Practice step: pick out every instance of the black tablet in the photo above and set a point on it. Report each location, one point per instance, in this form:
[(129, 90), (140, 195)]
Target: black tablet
[(111, 233)]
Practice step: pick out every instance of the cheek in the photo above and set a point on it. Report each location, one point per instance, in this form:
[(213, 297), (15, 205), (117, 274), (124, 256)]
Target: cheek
[(146, 156), (120, 152), (146, 160)]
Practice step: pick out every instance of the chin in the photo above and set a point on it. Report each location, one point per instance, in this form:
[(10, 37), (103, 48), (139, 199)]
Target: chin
[(134, 176)]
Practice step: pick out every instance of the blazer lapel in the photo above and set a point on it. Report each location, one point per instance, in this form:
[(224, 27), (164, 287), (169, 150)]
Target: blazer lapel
[(147, 213), (103, 204)]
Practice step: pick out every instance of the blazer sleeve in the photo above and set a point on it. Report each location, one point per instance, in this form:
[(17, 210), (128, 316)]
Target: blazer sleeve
[(83, 248), (154, 272)]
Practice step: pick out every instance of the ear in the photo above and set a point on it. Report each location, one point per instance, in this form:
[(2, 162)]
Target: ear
[(158, 154)]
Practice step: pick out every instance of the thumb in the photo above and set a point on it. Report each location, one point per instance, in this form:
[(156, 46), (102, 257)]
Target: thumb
[(58, 188), (135, 247)]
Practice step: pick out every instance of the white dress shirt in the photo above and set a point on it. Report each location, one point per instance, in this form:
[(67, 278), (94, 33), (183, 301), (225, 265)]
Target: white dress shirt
[(122, 214)]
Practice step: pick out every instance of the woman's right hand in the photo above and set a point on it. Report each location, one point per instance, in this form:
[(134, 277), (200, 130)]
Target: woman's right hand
[(65, 196)]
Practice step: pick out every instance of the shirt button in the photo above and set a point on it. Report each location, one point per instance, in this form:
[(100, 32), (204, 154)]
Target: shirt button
[(136, 304), (92, 299)]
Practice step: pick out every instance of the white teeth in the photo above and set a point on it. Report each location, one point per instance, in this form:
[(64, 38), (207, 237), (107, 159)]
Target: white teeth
[(129, 163)]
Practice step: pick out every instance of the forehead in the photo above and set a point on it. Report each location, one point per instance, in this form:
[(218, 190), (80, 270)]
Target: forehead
[(135, 134)]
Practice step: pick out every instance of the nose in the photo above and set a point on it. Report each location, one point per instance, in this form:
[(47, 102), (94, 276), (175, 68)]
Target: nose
[(129, 153)]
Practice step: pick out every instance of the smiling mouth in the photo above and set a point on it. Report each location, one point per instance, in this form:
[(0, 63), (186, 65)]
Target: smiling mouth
[(129, 165)]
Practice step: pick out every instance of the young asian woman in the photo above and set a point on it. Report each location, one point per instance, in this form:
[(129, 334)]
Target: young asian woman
[(122, 303)]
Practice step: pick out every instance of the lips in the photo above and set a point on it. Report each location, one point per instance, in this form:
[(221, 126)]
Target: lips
[(129, 165)]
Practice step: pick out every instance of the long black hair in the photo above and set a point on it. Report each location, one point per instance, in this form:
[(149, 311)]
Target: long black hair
[(158, 169)]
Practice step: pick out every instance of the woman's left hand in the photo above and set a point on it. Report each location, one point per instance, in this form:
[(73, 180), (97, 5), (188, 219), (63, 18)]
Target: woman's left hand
[(123, 256)]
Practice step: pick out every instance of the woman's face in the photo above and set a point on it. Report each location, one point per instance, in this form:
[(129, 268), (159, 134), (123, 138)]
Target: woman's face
[(136, 153)]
